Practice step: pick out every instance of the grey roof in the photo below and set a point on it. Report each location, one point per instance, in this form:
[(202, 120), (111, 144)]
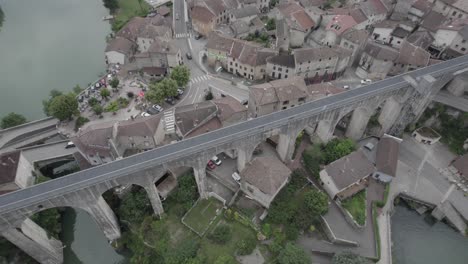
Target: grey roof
[(400, 32), (152, 31), (282, 60), (387, 156), (279, 90), (357, 36), (461, 164), (464, 32), (311, 54), (267, 174), (121, 45), (161, 45), (95, 138), (422, 39), (413, 55), (139, 127), (240, 27), (349, 169), (189, 117), (381, 52), (432, 21), (8, 166), (227, 107), (245, 11)]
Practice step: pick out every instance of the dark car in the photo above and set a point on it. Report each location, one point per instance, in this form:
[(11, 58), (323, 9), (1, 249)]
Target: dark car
[(170, 100), (188, 55), (152, 111), (197, 36)]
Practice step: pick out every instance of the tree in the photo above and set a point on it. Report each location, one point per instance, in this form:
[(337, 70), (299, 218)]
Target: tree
[(317, 202), (271, 24), (2, 16), (114, 82), (338, 148), (77, 89), (135, 206), (221, 234), (292, 254), (246, 246), (98, 109), (130, 94), (93, 101), (157, 92), (225, 259), (80, 121), (63, 106), (12, 119), (349, 258), (105, 93), (46, 103), (112, 5), (180, 74)]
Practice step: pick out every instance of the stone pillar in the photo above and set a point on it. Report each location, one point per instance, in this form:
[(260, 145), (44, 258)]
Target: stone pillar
[(324, 131), (33, 240), (104, 217), (457, 85), (286, 145), (389, 114), (244, 156), (200, 176), (153, 195), (357, 124)]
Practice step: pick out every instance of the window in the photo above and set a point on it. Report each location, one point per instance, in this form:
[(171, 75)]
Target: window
[(284, 107), (302, 99), (230, 63), (463, 49), (463, 41), (287, 70), (460, 15), (285, 102), (454, 13), (236, 64), (280, 69), (245, 68), (286, 76), (274, 67), (251, 70)]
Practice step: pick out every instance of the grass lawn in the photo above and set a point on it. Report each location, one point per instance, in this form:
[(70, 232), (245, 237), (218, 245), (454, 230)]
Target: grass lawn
[(127, 10), (200, 216), (356, 206)]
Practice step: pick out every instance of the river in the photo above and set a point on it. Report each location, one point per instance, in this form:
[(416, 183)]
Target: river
[(415, 241), (55, 44)]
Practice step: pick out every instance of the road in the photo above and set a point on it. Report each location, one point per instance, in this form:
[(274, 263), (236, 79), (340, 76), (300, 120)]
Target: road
[(191, 147), (449, 99), (29, 131)]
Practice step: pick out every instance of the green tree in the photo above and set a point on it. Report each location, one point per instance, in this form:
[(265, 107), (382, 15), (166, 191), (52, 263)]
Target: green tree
[(12, 119), (112, 107), (181, 74), (225, 259), (63, 106), (114, 82), (313, 157), (292, 254), (349, 258), (2, 16), (77, 89), (80, 121), (221, 234), (46, 103), (271, 24), (105, 93), (49, 220), (246, 246), (316, 202), (338, 148), (98, 109), (157, 92), (93, 101), (135, 206), (112, 5)]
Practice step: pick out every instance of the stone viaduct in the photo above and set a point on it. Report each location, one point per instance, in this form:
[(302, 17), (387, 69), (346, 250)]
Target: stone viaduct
[(400, 100)]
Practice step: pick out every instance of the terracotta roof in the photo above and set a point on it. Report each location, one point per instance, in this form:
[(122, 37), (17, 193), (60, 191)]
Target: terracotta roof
[(303, 19), (152, 31), (228, 106), (161, 45), (349, 169), (461, 164), (163, 10), (8, 166), (341, 23), (215, 6), (219, 42), (202, 13), (263, 94), (381, 52), (132, 28), (296, 16), (432, 21), (141, 127), (121, 45), (358, 15), (311, 54), (267, 174), (190, 117), (387, 156), (279, 90), (413, 55), (282, 60), (213, 124), (159, 20), (306, 3), (356, 36)]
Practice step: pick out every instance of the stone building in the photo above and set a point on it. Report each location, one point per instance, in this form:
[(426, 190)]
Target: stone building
[(298, 22), (426, 135), (15, 172), (418, 10), (206, 14), (376, 61), (454, 9), (263, 179), (162, 53), (450, 40), (354, 40), (392, 33), (150, 33), (410, 58), (120, 51), (386, 160), (347, 176)]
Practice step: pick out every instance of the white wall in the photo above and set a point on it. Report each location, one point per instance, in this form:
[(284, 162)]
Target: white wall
[(114, 57)]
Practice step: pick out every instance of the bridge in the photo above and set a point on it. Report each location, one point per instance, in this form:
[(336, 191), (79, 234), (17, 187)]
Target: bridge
[(449, 99), (400, 100)]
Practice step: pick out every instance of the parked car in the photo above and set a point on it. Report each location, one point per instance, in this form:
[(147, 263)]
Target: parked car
[(86, 94), (197, 36), (158, 107), (170, 100), (180, 92), (210, 165), (236, 177), (188, 55), (145, 114), (70, 145), (216, 160), (80, 98), (346, 87), (98, 85), (366, 81), (152, 111)]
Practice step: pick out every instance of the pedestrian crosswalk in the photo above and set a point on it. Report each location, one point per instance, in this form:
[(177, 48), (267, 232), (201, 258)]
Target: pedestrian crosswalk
[(182, 35), (200, 79)]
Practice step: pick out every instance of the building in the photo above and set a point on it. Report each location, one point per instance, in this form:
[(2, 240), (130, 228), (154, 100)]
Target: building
[(263, 178), (386, 160), (131, 29), (426, 135), (450, 40), (347, 176), (461, 166), (299, 23), (245, 14), (376, 61), (120, 51), (422, 39), (150, 33), (354, 40), (239, 57), (392, 33), (336, 27), (162, 54), (230, 111), (206, 14), (282, 94), (454, 9), (15, 172), (410, 58), (418, 10)]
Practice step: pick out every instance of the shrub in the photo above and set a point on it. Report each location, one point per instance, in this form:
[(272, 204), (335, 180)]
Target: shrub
[(221, 234), (209, 96), (292, 254), (80, 121), (246, 246), (93, 101), (291, 232), (266, 230)]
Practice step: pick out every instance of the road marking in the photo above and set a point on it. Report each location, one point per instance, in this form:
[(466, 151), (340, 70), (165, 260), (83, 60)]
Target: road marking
[(200, 79), (183, 35)]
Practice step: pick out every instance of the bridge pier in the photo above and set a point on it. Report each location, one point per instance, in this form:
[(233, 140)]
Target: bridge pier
[(389, 114), (155, 199), (285, 148), (34, 241), (199, 172), (324, 131), (104, 217), (358, 123), (244, 156)]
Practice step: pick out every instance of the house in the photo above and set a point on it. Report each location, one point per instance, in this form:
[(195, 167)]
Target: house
[(298, 21), (432, 21), (386, 160), (132, 28), (426, 135), (162, 54), (120, 51), (347, 176), (15, 172), (376, 61), (421, 38), (450, 38), (410, 58), (418, 10), (245, 14), (241, 29), (240, 57), (230, 111), (206, 14), (262, 5), (320, 90), (454, 9), (374, 10), (354, 40), (149, 33), (336, 27), (391, 32), (163, 10), (459, 44), (263, 178), (461, 166), (190, 118)]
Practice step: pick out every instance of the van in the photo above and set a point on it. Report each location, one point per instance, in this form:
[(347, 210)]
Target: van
[(236, 177), (216, 160)]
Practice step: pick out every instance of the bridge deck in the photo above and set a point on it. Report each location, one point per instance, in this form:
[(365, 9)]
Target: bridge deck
[(457, 102)]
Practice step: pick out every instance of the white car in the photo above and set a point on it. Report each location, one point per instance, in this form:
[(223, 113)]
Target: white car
[(144, 114), (216, 160), (346, 87), (236, 177), (366, 81), (158, 107)]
